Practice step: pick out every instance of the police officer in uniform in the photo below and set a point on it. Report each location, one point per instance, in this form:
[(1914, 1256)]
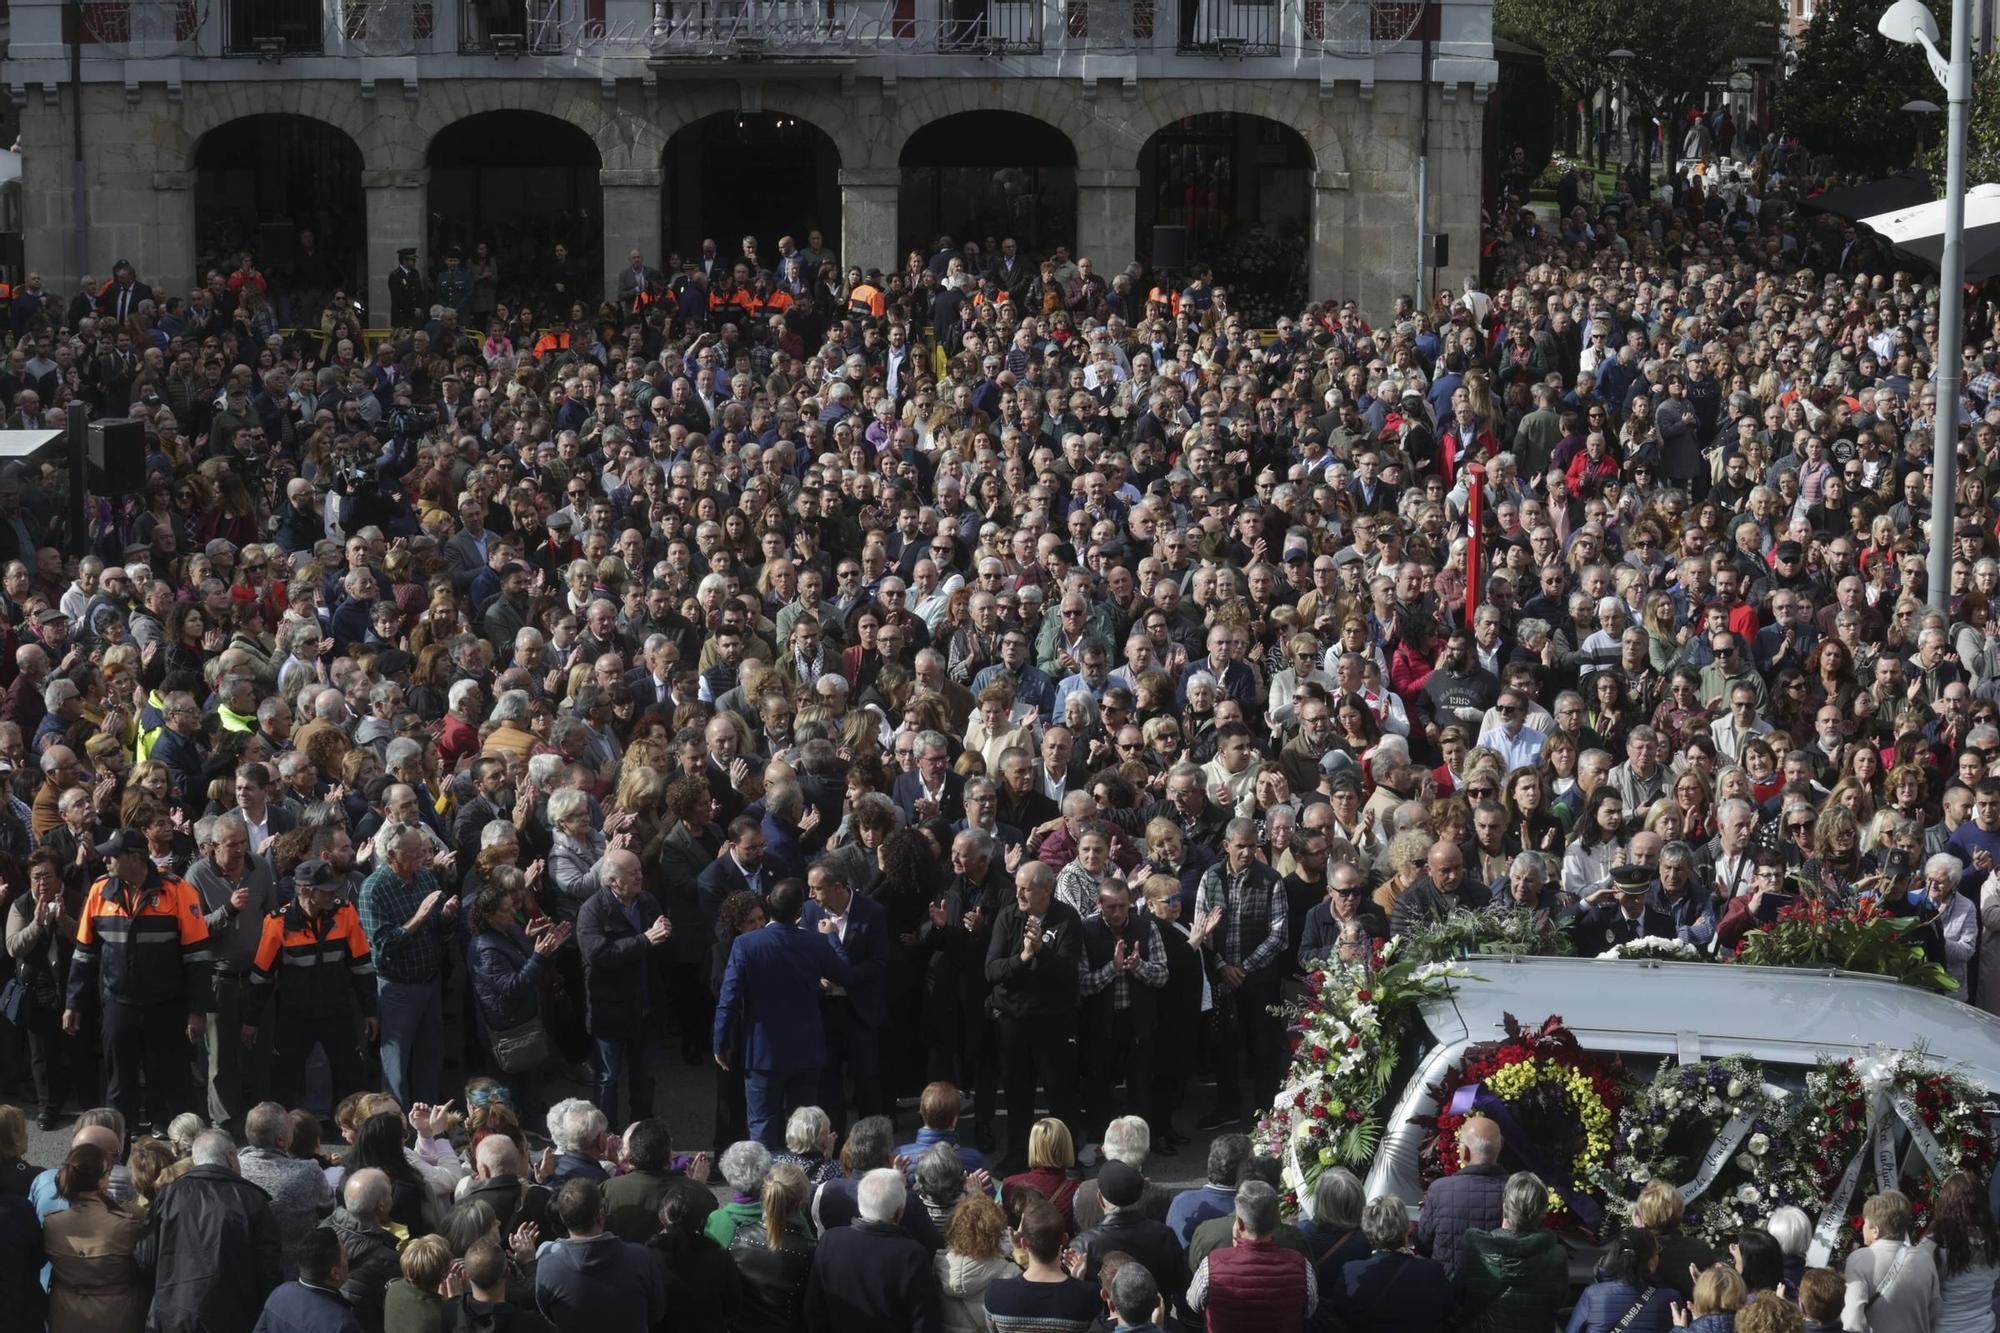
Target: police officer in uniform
[(406, 289), (313, 960), (142, 945)]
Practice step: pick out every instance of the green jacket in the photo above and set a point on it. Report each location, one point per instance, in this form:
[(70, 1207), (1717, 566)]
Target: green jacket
[(1510, 1283), (723, 1222)]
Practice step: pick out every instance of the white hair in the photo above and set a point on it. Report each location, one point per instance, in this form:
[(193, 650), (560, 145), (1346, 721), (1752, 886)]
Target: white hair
[(1947, 864), (881, 1194), (459, 691), (212, 1147), (575, 1124), (1128, 1139)]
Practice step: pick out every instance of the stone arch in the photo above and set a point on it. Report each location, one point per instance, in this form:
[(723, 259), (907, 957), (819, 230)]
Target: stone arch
[(986, 172), (208, 106), (1237, 191), (524, 181), (624, 136), (259, 182), (707, 161), (1161, 104), (853, 126), (938, 98)]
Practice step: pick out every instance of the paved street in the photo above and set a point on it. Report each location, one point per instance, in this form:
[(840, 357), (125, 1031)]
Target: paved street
[(687, 1100)]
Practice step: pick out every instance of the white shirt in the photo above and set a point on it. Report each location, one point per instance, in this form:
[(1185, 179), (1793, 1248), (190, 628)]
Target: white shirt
[(1521, 750), (1730, 739)]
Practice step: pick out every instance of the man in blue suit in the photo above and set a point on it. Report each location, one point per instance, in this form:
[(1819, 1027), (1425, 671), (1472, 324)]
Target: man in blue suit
[(853, 1013), (770, 995), (932, 790)]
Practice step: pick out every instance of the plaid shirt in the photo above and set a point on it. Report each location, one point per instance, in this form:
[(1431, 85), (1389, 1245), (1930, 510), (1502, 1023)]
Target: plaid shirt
[(387, 901), (1253, 914), (1152, 969)]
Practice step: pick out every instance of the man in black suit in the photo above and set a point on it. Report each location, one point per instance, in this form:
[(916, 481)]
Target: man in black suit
[(933, 790), (121, 299), (1626, 917), (1011, 273), (740, 867), (489, 782), (652, 681)]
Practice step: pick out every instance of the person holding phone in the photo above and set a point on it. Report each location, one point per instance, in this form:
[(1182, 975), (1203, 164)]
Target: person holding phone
[(1771, 893)]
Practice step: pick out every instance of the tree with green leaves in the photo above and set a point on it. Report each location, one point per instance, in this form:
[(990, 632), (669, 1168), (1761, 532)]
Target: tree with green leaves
[(1678, 47), (1845, 99), (1982, 126)]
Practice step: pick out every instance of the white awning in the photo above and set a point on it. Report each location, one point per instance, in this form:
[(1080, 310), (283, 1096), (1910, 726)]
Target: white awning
[(1982, 207)]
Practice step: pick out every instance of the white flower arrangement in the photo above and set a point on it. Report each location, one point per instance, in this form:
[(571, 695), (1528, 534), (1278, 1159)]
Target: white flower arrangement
[(1667, 1130), (1657, 947)]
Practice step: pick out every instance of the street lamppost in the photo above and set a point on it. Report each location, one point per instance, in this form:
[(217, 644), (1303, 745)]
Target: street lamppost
[(1909, 23), (1921, 106)]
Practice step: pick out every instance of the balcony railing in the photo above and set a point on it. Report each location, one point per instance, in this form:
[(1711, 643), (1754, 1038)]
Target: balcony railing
[(751, 29), (743, 30), (1230, 27), (806, 29), (527, 27), (387, 27), (136, 29), (273, 28)]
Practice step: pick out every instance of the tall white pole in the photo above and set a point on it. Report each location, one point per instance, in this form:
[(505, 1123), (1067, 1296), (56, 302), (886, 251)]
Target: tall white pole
[(1951, 315)]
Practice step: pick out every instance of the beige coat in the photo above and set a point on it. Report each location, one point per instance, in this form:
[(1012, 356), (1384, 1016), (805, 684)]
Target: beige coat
[(97, 1286)]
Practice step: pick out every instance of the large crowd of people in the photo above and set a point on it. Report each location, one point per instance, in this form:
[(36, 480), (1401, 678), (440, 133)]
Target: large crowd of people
[(984, 677)]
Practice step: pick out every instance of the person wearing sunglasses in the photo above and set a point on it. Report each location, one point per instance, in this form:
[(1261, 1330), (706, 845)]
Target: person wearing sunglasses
[(1730, 666), (1346, 901)]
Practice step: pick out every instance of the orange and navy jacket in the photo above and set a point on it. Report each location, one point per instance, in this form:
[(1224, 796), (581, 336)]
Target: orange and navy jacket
[(868, 300), (148, 943), (312, 964)]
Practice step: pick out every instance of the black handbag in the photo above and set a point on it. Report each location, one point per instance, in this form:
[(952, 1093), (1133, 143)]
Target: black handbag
[(519, 1049), (14, 1000)]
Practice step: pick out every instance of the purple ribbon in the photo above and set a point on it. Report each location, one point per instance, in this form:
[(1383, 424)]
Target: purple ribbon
[(1478, 1097)]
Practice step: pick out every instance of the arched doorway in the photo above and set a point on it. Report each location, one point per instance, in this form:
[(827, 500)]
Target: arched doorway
[(987, 175), (1242, 187), (762, 174), (524, 183), (262, 183)]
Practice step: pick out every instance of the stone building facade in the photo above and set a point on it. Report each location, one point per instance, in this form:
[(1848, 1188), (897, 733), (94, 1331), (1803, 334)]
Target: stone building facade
[(1325, 137)]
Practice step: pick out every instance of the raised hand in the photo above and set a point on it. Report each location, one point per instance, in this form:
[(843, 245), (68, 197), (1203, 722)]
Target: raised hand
[(522, 1242)]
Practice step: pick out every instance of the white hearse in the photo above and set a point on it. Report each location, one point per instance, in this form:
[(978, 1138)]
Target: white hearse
[(1648, 1012)]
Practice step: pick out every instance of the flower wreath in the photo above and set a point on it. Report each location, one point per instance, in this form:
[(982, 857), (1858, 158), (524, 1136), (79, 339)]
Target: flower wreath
[(1347, 1036), (1655, 947), (1720, 1133), (1563, 1104), (1857, 1124)]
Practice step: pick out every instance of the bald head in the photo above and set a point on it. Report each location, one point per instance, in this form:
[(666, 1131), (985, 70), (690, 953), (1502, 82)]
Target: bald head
[(101, 1137), (1479, 1141), (497, 1155), (622, 873)]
